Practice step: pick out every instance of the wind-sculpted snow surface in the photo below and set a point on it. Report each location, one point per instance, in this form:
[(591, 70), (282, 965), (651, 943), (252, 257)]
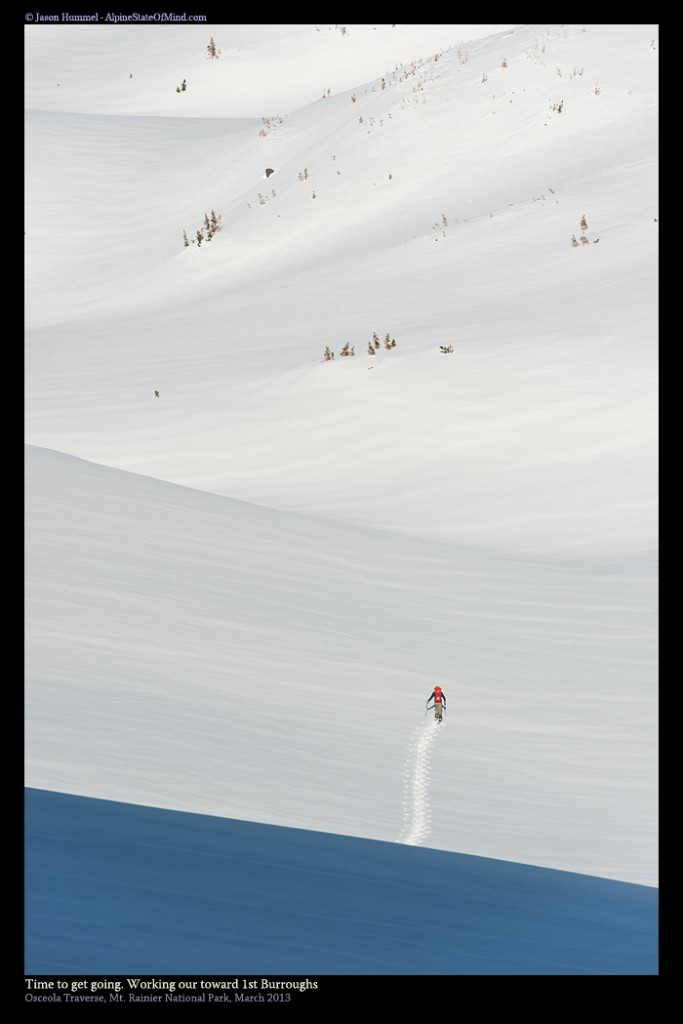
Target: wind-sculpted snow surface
[(417, 814)]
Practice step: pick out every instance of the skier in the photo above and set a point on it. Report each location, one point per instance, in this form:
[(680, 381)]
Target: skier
[(439, 698)]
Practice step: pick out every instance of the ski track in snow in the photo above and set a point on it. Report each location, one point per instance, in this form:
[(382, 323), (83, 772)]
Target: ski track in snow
[(417, 813)]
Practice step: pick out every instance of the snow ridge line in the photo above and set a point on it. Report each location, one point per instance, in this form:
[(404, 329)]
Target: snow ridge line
[(417, 813)]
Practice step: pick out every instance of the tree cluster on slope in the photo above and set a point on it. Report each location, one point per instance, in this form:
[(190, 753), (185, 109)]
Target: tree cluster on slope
[(373, 347), (583, 240), (211, 226)]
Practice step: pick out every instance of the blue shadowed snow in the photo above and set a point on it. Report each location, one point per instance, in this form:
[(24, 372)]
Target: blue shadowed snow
[(115, 888)]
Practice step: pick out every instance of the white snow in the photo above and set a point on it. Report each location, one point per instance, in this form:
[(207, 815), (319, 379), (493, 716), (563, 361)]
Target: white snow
[(248, 621)]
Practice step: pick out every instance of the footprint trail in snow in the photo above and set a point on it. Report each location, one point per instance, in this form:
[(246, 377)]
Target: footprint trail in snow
[(417, 814)]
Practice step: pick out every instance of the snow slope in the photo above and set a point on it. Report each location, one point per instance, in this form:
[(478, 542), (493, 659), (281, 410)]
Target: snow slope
[(190, 651), (261, 70), (118, 889), (535, 434), (238, 603)]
